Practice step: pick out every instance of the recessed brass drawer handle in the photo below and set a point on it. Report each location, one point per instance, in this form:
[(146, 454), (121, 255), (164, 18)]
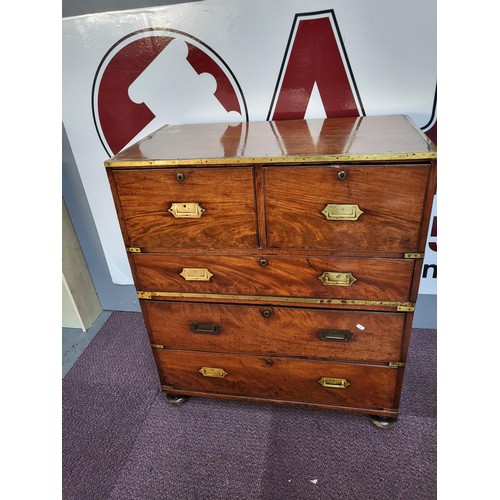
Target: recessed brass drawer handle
[(332, 278), (206, 328), (186, 210), (334, 383), (212, 372), (335, 335), (196, 274), (342, 212)]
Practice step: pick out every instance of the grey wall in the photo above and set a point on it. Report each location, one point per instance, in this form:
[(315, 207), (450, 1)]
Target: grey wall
[(118, 297)]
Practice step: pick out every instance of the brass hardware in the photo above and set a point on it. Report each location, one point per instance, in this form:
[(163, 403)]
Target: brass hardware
[(180, 176), (342, 175), (332, 278), (134, 249), (186, 210), (335, 335), (167, 387), (396, 364), (269, 362), (291, 159), (157, 346), (212, 372), (334, 383), (404, 306), (266, 313), (263, 262), (342, 212), (196, 274), (414, 255), (206, 328)]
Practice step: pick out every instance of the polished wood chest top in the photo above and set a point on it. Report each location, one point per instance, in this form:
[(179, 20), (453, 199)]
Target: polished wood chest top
[(384, 138)]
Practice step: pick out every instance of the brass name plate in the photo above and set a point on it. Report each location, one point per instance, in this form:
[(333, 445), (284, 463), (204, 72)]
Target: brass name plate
[(342, 212), (212, 372), (196, 274), (334, 383), (333, 278), (186, 210)]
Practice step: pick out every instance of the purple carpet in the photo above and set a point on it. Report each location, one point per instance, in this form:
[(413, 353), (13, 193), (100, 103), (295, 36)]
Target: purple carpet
[(123, 440)]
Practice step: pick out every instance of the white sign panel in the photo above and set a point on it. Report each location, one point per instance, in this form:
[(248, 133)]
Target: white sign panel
[(128, 73)]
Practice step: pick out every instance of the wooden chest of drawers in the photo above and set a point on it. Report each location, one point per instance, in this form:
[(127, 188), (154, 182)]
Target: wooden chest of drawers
[(279, 261)]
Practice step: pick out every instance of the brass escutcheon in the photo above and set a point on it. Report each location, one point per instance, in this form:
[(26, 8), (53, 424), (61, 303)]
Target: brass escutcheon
[(196, 274), (212, 372), (186, 210), (332, 278), (334, 383), (342, 212)]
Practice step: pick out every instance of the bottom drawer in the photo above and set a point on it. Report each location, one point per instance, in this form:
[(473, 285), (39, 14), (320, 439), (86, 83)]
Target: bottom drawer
[(280, 379)]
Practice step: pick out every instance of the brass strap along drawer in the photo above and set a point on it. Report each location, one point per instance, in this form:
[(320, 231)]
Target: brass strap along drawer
[(272, 267)]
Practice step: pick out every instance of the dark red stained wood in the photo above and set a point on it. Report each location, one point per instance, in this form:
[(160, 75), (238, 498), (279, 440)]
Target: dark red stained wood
[(392, 206), (276, 330), (376, 279), (279, 378), (226, 195)]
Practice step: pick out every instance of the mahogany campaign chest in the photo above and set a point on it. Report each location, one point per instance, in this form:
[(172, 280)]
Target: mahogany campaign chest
[(279, 261)]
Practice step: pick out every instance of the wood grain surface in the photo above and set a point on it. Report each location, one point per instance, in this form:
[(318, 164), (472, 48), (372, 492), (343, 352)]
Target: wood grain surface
[(275, 330)]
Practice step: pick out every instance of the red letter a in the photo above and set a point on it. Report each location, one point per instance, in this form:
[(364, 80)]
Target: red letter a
[(315, 54)]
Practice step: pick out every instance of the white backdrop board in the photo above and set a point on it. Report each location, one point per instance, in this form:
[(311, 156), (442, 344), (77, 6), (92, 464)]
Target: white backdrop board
[(127, 73)]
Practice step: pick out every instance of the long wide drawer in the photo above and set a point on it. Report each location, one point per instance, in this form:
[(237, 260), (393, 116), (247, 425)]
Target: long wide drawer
[(187, 207), (323, 277), (286, 331), (281, 379), (345, 207)]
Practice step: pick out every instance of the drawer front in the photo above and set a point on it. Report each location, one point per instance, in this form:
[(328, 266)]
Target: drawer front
[(364, 336), (282, 379), (311, 207), (320, 277), (207, 207)]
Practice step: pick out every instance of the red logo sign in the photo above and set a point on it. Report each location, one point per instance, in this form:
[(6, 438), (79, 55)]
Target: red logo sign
[(154, 77)]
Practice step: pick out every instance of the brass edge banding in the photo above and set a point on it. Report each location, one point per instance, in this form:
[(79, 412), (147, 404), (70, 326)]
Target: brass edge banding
[(267, 298), (430, 155)]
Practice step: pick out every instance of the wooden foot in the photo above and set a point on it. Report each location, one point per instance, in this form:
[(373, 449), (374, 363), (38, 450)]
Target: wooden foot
[(176, 399), (383, 422)]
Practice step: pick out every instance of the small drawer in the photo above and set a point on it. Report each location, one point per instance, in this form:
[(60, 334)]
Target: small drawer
[(319, 277), (187, 207), (314, 333), (279, 379), (346, 207)]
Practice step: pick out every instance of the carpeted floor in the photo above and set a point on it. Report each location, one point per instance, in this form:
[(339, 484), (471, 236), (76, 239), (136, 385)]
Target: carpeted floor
[(123, 440)]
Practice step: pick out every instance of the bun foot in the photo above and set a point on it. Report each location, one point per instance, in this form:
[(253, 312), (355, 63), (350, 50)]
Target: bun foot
[(383, 422), (176, 399)]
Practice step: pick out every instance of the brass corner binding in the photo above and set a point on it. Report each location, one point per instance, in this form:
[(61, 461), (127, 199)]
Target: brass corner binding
[(396, 364), (414, 255), (134, 250), (157, 346)]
